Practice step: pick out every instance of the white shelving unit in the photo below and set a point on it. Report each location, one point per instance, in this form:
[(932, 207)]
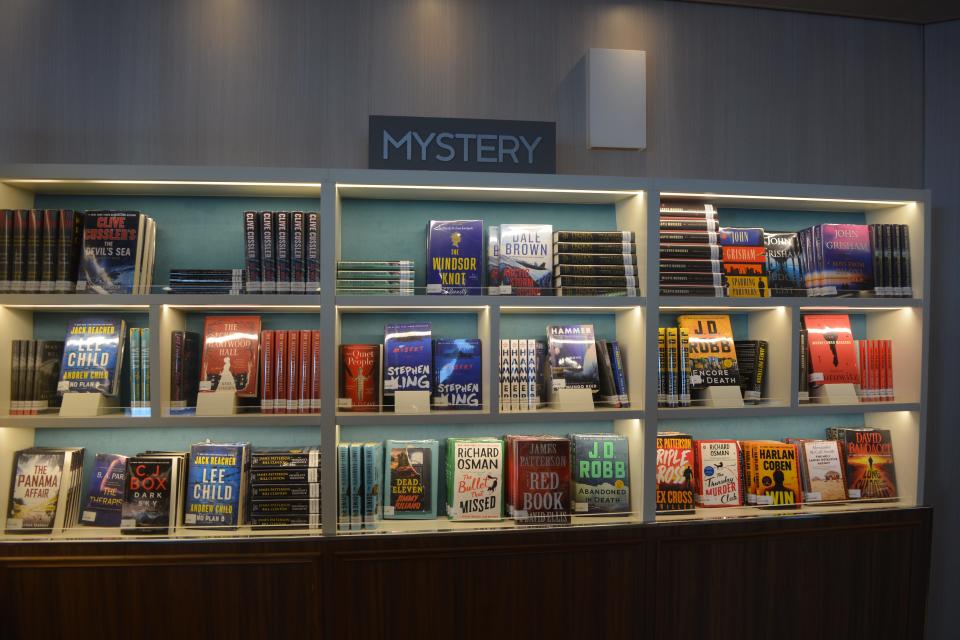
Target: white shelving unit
[(635, 202)]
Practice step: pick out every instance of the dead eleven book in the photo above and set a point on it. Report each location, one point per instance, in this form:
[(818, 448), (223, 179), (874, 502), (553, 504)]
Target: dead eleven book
[(411, 479), (719, 473), (475, 478), (712, 353), (833, 355), (675, 475)]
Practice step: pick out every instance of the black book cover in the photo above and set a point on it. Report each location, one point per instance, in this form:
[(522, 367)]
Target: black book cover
[(15, 399), (301, 457), (268, 252), (6, 237), (49, 248), (715, 279), (49, 354), (594, 270), (690, 251), (897, 283), (251, 247), (184, 369), (783, 264), (595, 258), (692, 290), (689, 237), (906, 277), (876, 251), (688, 224), (593, 236), (692, 266), (297, 251), (608, 396), (18, 257), (29, 374), (284, 491), (614, 248), (34, 246), (70, 231), (284, 475), (312, 256), (887, 243), (597, 281), (597, 291), (147, 494), (283, 251)]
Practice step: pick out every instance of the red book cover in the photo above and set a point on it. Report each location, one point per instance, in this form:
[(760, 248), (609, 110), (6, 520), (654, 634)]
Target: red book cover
[(360, 377), (509, 455), (744, 254), (303, 388), (231, 350), (833, 358), (315, 372), (888, 368), (280, 373), (266, 371), (675, 472), (540, 473), (293, 370), (871, 473)]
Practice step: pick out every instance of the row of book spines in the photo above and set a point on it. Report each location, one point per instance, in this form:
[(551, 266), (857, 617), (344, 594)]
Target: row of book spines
[(359, 484), (522, 375), (139, 341), (752, 365), (892, 268), (612, 375), (290, 370), (184, 369), (39, 250), (673, 367), (876, 370), (282, 251), (34, 371)]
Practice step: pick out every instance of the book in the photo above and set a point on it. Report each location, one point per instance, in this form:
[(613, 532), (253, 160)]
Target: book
[(832, 355), (47, 362), (539, 479), (297, 252), (411, 479), (105, 493), (594, 236), (626, 259), (407, 358), (597, 291), (69, 235), (684, 368), (310, 490), (595, 270), (845, 257), (344, 504), (688, 210), (675, 473), (316, 372), (151, 494), (493, 260), (822, 470), (251, 247), (372, 485), (285, 507), (34, 242), (871, 472), (301, 457), (752, 366), (284, 475), (305, 372), (110, 251), (619, 373), (777, 474), (706, 223), (712, 353), (671, 366), (359, 377), (216, 485), (282, 248), (662, 367), (231, 349), (312, 253), (609, 248), (784, 265), (268, 252), (376, 265), (573, 357), (136, 385), (475, 478), (719, 473), (803, 391), (458, 373), (39, 500), (6, 248), (600, 470), (526, 259), (50, 222), (184, 370), (740, 236), (92, 356), (355, 459), (592, 281), (454, 257), (680, 266)]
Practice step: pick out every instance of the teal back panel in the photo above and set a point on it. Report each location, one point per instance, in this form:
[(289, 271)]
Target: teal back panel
[(780, 220), (778, 428), (268, 321), (534, 325), (367, 328)]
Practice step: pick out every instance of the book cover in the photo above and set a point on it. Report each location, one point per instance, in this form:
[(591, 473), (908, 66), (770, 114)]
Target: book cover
[(49, 356), (282, 235), (675, 473), (231, 349), (310, 490), (846, 257), (740, 237), (110, 251), (105, 492), (475, 478), (455, 257), (298, 252), (871, 473), (184, 370), (268, 252), (251, 250), (458, 373), (832, 353), (778, 474), (493, 260), (600, 470), (92, 354), (609, 248), (215, 485), (821, 466), (148, 495), (285, 507), (411, 479), (526, 259), (308, 457), (719, 473), (35, 490), (407, 357), (784, 266), (539, 476), (712, 354), (573, 357), (594, 236), (136, 385), (70, 232), (606, 259), (359, 377), (284, 475)]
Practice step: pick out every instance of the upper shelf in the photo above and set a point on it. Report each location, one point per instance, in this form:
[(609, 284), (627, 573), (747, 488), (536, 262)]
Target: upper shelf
[(70, 302), (825, 303)]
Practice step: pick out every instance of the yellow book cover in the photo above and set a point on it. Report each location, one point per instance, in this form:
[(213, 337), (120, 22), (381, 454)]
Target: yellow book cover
[(713, 356), (779, 474)]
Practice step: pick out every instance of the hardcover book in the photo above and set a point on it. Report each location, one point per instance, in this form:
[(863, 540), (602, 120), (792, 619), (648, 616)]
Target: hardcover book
[(455, 257), (49, 356), (105, 493), (458, 373), (526, 259), (846, 258), (777, 473), (600, 473), (719, 473), (475, 478), (407, 357), (712, 354), (304, 457), (92, 355), (149, 495), (675, 475), (871, 473), (37, 491), (372, 485), (833, 356), (216, 487), (184, 370), (110, 253), (539, 479), (251, 248), (231, 349), (411, 479), (573, 357), (784, 265), (740, 236), (822, 472)]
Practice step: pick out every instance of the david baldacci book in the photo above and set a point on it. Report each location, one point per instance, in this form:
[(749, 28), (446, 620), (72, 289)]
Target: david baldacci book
[(92, 355), (475, 478), (538, 469), (712, 353), (833, 355), (600, 470), (110, 252), (359, 377), (871, 474), (455, 257), (411, 468), (458, 373), (408, 353), (675, 475), (526, 259), (216, 485), (231, 350), (719, 473), (572, 351), (105, 494)]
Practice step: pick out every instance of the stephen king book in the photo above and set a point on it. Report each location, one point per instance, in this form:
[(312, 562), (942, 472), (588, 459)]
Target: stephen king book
[(411, 479), (407, 357), (600, 470), (526, 259), (539, 479), (359, 377), (871, 474), (105, 493), (231, 350), (573, 357), (216, 485), (719, 473), (712, 354), (833, 355), (455, 257), (675, 474), (475, 478), (110, 253), (458, 373), (92, 354)]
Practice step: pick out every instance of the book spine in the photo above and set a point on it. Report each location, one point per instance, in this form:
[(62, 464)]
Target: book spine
[(754, 391), (15, 348), (683, 367), (673, 397), (315, 371), (356, 486), (571, 291), (803, 391), (515, 375), (619, 377), (285, 475), (283, 252), (595, 270), (661, 367), (284, 491), (609, 248), (18, 249), (312, 257), (293, 371), (145, 368), (493, 260), (689, 237), (304, 384), (252, 241), (504, 376), (688, 224), (712, 279), (876, 253), (692, 290), (343, 486), (177, 389), (692, 266), (30, 372), (268, 392), (593, 236), (595, 259), (6, 236), (629, 282), (895, 267), (48, 253), (533, 395), (523, 395), (308, 458), (887, 259), (280, 372), (34, 250), (690, 251), (906, 274), (609, 396), (297, 253), (135, 370), (268, 252)]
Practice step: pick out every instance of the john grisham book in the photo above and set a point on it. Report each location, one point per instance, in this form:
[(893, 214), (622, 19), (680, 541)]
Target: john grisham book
[(600, 471), (411, 479), (92, 353), (457, 372), (455, 257), (216, 485)]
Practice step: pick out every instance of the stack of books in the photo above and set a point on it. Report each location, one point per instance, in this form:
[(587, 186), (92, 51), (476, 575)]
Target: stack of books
[(207, 281), (285, 487), (375, 278), (595, 263), (690, 258), (744, 255), (752, 363)]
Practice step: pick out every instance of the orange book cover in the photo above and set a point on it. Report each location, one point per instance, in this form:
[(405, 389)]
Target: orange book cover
[(231, 350), (778, 469), (833, 357), (744, 254)]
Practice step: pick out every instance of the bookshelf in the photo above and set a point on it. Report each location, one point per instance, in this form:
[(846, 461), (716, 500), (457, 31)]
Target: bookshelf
[(371, 214)]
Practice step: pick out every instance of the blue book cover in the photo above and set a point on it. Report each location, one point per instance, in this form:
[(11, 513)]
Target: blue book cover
[(458, 373), (740, 236), (372, 483), (526, 259), (455, 257), (105, 495), (784, 264), (343, 485), (215, 485), (407, 356), (110, 250), (92, 353), (600, 473), (356, 486), (410, 485), (846, 257), (573, 357)]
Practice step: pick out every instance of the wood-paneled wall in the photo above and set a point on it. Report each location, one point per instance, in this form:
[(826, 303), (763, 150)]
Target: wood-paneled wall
[(732, 92)]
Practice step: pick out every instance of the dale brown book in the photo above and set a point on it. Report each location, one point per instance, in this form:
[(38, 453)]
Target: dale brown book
[(594, 236), (600, 473), (822, 470), (231, 350), (251, 248), (712, 353), (778, 474), (539, 479), (594, 270), (595, 258), (475, 478), (719, 473), (359, 377), (454, 257), (871, 473), (526, 259), (833, 356), (675, 474)]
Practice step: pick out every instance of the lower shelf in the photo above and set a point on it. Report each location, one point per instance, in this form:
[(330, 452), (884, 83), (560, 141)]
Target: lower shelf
[(739, 513)]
